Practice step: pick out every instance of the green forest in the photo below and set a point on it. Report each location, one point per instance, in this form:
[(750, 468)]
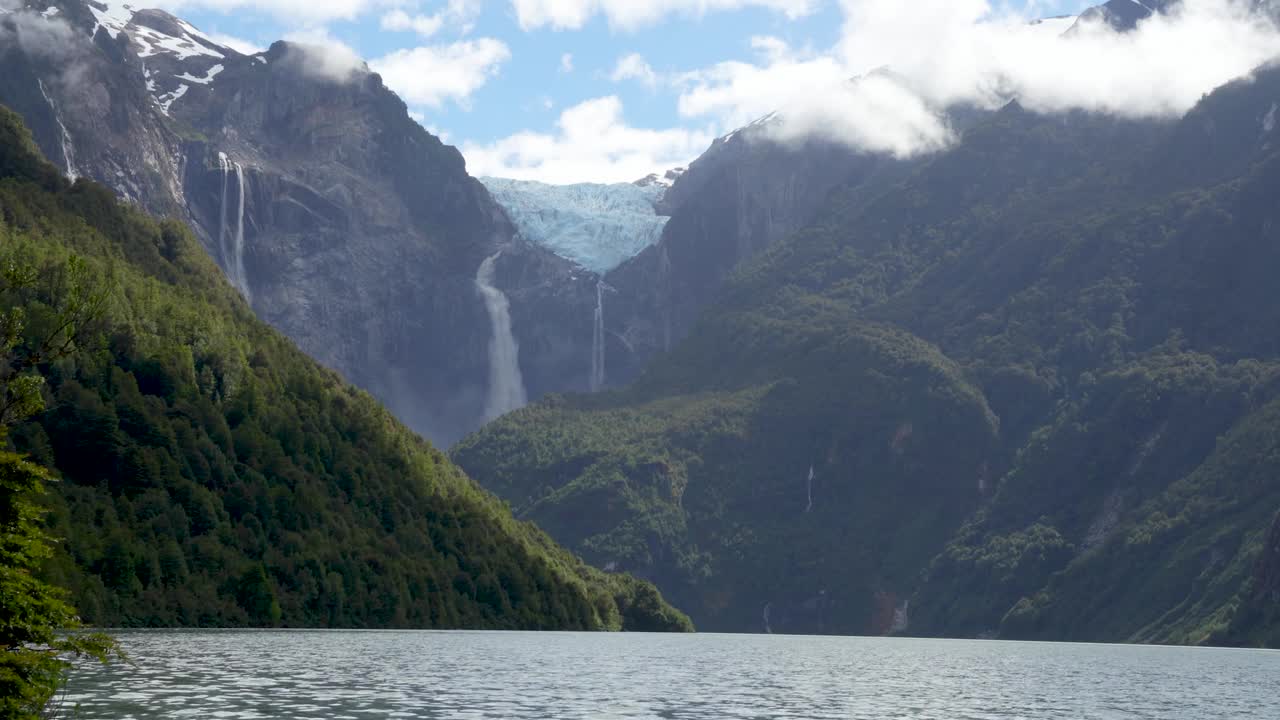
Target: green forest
[(208, 474), (1031, 391)]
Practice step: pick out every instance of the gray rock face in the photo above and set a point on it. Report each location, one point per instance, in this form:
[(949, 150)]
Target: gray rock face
[(359, 233), (362, 231), (744, 194)]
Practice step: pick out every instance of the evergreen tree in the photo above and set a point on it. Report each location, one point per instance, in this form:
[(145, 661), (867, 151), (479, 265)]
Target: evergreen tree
[(38, 627)]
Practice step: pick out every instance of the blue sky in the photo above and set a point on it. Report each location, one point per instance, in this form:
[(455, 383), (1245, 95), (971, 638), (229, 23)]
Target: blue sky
[(602, 90)]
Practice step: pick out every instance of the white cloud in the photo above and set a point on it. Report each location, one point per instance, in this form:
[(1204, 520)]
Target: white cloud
[(431, 75), (401, 21), (592, 143), (240, 45), (976, 55), (1162, 68), (316, 53), (633, 14), (735, 93), (296, 12), (457, 13), (566, 63), (36, 35), (634, 67)]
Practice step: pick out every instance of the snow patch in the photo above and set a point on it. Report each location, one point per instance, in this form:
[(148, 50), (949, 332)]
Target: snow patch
[(152, 42), (596, 226), (114, 17), (1269, 122), (665, 181), (166, 100), (208, 78), (1053, 27), (759, 122), (118, 18)]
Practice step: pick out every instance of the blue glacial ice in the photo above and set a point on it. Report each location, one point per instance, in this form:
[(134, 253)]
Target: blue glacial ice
[(597, 226)]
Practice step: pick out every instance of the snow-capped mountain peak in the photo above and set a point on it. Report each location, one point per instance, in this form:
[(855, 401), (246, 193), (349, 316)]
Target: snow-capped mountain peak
[(664, 180), (176, 56)]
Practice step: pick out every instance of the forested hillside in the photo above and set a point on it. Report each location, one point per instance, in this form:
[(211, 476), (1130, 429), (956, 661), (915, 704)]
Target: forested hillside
[(213, 475), (1030, 391)]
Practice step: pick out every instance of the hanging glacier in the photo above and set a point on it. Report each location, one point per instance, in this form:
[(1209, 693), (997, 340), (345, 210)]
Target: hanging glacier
[(596, 226)]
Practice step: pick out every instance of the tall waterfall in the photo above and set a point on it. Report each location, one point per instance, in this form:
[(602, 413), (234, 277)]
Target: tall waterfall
[(506, 386), (664, 276), (597, 341), (808, 486), (68, 151), (231, 244)]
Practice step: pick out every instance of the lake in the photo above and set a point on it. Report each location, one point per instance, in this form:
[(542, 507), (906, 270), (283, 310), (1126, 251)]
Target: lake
[(336, 674)]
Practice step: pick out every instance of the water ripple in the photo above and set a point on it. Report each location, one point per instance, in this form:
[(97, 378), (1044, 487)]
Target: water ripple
[(571, 676)]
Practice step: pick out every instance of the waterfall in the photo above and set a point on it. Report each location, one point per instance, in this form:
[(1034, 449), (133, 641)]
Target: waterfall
[(901, 618), (767, 628), (506, 387), (809, 490), (597, 341), (664, 282), (68, 151), (224, 165), (233, 255), (240, 277)]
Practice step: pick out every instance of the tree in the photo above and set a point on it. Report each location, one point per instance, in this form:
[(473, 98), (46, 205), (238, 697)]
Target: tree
[(47, 315), (38, 627)]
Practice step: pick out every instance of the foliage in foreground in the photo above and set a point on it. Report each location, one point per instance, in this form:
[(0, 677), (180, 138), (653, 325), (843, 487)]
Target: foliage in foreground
[(39, 629)]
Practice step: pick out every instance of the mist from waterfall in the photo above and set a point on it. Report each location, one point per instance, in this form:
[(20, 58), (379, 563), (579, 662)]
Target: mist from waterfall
[(68, 150), (233, 254), (597, 342), (506, 386)]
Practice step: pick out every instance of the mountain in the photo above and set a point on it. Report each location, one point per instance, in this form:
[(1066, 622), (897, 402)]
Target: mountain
[(213, 475), (1024, 389), (342, 221), (1124, 14)]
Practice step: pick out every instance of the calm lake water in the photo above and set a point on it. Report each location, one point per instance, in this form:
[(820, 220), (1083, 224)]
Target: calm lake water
[(298, 674)]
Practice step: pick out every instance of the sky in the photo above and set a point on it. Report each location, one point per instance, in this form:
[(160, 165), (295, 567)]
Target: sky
[(610, 90)]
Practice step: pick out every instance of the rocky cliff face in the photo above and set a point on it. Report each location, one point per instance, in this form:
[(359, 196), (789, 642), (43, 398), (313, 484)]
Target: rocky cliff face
[(744, 194), (341, 220)]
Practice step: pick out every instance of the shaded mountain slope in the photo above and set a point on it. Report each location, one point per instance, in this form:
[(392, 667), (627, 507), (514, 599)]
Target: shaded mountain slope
[(1102, 470)]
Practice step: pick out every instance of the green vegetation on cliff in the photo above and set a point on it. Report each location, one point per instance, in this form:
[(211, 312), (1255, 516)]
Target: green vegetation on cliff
[(212, 475), (1037, 383)]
